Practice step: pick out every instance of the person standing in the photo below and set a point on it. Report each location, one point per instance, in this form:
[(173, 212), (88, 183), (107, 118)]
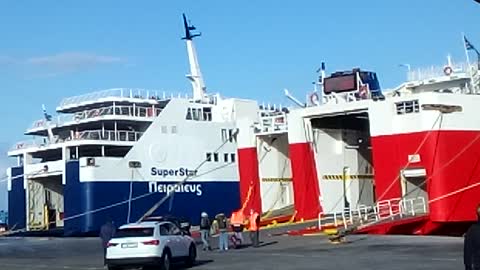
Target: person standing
[(205, 230), (471, 246), (254, 226), (107, 231), (237, 223), (223, 231)]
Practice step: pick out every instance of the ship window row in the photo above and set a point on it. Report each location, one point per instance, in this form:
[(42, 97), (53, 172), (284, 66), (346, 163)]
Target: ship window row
[(173, 129), (215, 157), (199, 114), (228, 135), (409, 106)]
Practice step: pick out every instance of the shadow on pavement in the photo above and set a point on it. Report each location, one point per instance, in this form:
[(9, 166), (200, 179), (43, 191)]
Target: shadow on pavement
[(268, 244), (197, 263)]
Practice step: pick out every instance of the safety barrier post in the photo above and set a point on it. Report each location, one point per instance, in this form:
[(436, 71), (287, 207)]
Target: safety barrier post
[(413, 207), (389, 203), (344, 220), (320, 220), (424, 204), (350, 213)]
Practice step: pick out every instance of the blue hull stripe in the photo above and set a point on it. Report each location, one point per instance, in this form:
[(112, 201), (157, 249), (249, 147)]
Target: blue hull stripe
[(188, 202), (17, 216)]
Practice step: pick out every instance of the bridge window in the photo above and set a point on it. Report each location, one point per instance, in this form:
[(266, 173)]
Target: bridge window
[(207, 114), (215, 157), (232, 157), (409, 106), (199, 114), (230, 135), (209, 156), (224, 135)]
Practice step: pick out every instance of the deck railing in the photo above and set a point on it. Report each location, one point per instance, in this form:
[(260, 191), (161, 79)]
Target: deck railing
[(129, 111), (272, 122), (427, 73), (117, 93), (97, 135), (108, 135)]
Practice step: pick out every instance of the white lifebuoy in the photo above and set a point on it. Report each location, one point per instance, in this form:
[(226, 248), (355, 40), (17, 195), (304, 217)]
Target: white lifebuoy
[(448, 70), (314, 98)]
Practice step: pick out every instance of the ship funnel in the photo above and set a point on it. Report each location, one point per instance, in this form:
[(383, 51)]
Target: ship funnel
[(195, 75)]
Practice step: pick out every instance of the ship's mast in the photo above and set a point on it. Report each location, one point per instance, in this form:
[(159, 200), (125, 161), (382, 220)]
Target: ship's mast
[(195, 75)]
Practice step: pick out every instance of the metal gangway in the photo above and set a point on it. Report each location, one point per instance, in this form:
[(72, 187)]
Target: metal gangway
[(363, 215)]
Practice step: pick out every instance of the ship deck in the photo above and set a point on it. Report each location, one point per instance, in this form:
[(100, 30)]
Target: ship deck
[(276, 252)]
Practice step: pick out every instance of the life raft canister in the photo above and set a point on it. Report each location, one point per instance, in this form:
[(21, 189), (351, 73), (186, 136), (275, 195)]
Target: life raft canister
[(448, 70)]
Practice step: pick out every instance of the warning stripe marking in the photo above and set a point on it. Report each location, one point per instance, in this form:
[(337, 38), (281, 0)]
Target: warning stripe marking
[(347, 177), (276, 179)]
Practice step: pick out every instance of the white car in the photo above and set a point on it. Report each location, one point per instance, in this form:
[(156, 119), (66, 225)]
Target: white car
[(150, 244)]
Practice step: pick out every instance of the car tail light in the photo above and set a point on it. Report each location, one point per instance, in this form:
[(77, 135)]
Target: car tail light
[(110, 244), (152, 242)]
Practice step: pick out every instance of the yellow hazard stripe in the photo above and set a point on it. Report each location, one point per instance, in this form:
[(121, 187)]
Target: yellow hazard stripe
[(276, 179), (347, 177)]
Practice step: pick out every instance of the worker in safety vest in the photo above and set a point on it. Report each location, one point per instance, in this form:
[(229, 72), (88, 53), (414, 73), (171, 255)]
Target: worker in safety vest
[(237, 223), (254, 226)]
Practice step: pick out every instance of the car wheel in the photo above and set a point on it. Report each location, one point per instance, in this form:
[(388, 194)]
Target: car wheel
[(166, 260), (192, 255)]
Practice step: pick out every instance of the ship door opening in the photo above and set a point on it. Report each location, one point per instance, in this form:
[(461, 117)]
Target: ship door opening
[(342, 146), (274, 171), (414, 190), (45, 203)]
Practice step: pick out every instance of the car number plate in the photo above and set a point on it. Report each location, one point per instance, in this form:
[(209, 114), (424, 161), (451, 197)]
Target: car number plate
[(129, 245)]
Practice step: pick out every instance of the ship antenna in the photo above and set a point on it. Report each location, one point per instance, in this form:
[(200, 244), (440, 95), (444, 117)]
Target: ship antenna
[(195, 75)]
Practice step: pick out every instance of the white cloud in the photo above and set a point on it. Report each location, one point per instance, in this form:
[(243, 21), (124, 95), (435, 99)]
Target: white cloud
[(48, 66), (72, 61)]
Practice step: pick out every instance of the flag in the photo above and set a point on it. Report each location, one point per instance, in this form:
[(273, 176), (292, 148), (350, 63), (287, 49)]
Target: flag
[(469, 46)]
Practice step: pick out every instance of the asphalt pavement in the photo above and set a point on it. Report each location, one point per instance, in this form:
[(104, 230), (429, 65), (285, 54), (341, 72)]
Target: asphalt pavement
[(276, 252)]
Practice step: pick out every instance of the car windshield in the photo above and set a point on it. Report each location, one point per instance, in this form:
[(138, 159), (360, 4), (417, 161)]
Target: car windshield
[(134, 232)]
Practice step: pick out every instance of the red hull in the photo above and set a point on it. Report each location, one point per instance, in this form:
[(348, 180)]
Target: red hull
[(305, 181), (452, 163), (249, 179)]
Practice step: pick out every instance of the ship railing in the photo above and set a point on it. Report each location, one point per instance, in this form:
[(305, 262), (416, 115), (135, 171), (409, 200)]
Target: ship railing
[(98, 135), (119, 93), (108, 135), (272, 122), (427, 73), (28, 144), (382, 210), (130, 111)]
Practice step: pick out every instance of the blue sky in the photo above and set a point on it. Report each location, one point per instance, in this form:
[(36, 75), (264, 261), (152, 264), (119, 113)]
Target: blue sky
[(52, 49)]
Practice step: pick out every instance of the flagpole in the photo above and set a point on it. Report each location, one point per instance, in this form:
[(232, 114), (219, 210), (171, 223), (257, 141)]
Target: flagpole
[(466, 51)]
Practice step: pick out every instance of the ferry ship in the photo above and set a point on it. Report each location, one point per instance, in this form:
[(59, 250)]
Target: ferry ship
[(404, 160), (113, 154)]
